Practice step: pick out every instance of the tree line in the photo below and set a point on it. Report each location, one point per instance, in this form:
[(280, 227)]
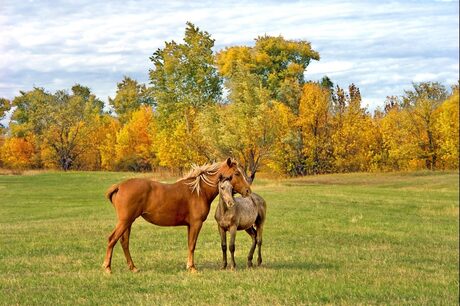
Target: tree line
[(250, 102)]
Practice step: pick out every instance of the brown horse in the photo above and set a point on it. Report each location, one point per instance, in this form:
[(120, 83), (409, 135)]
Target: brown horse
[(186, 202)]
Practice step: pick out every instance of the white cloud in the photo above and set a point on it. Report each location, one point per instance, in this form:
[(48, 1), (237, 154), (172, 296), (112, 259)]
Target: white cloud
[(380, 46), (424, 77)]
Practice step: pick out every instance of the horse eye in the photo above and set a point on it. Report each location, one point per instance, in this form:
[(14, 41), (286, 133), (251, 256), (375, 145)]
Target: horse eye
[(237, 174)]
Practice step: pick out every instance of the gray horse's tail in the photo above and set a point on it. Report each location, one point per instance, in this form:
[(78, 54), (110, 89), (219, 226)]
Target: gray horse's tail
[(111, 191)]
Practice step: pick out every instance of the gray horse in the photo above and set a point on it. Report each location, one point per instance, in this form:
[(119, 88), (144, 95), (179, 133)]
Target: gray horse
[(235, 214)]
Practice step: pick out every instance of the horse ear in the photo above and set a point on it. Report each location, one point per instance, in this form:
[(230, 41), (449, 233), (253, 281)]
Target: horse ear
[(230, 177), (229, 162), (221, 177)]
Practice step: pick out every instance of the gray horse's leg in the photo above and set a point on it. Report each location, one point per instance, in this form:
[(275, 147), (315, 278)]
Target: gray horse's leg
[(252, 232), (232, 246), (259, 244), (223, 244)]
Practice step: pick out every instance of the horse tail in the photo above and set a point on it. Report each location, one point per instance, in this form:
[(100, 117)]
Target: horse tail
[(111, 191)]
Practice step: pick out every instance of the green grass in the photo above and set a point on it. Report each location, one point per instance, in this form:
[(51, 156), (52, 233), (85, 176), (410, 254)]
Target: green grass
[(333, 239)]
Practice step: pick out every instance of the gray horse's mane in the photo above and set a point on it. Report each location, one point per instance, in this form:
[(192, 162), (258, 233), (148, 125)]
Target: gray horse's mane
[(201, 174)]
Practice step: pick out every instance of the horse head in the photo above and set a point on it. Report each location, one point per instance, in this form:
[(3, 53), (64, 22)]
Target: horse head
[(226, 190), (232, 169)]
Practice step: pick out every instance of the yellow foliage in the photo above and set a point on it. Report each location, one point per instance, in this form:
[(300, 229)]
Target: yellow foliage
[(313, 122), (109, 132), (97, 146), (447, 131), (228, 59), (283, 153), (400, 144), (135, 139), (48, 157), (18, 153), (174, 148)]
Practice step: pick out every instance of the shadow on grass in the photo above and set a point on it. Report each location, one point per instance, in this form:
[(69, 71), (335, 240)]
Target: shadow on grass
[(311, 266)]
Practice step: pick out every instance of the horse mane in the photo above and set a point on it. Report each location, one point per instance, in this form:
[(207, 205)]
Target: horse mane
[(200, 174)]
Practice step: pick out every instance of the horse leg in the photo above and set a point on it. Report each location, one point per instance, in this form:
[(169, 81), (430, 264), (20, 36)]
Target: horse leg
[(259, 244), (120, 228), (252, 232), (232, 246), (193, 231), (125, 244), (223, 243)]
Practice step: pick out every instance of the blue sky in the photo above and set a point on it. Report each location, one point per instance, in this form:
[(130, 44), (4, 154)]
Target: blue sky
[(381, 46)]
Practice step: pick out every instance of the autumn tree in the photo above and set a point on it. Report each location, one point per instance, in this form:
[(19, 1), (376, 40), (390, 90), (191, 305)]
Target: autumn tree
[(421, 103), (244, 130), (353, 134), (129, 97), (5, 106), (287, 156), (56, 120), (314, 122), (98, 142), (134, 141), (446, 131), (272, 70), (184, 80), (398, 145), (279, 64), (19, 153), (108, 129)]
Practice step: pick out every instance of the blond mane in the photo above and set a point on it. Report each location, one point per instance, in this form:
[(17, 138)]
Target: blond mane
[(201, 174)]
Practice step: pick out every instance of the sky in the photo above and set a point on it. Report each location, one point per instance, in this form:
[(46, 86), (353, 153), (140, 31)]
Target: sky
[(380, 46)]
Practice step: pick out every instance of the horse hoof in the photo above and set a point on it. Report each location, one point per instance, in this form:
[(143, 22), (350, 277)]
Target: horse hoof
[(192, 270), (250, 264), (135, 270), (108, 270)]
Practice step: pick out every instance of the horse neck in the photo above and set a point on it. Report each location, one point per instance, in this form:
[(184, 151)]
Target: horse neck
[(209, 193), (221, 207)]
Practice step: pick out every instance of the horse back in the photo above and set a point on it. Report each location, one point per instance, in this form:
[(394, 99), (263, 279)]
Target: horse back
[(130, 198), (261, 206)]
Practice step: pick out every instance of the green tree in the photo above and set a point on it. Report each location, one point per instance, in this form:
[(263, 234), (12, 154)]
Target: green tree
[(184, 81), (243, 130), (5, 106), (129, 97), (272, 70), (32, 113), (56, 120), (184, 78), (279, 64)]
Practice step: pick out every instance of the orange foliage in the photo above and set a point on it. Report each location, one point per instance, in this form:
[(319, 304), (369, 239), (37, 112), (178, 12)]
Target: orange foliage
[(18, 153)]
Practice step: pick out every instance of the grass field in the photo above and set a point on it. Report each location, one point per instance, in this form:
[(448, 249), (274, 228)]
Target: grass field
[(335, 239)]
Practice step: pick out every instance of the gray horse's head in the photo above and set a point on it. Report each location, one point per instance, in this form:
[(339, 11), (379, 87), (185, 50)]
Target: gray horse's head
[(226, 190)]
